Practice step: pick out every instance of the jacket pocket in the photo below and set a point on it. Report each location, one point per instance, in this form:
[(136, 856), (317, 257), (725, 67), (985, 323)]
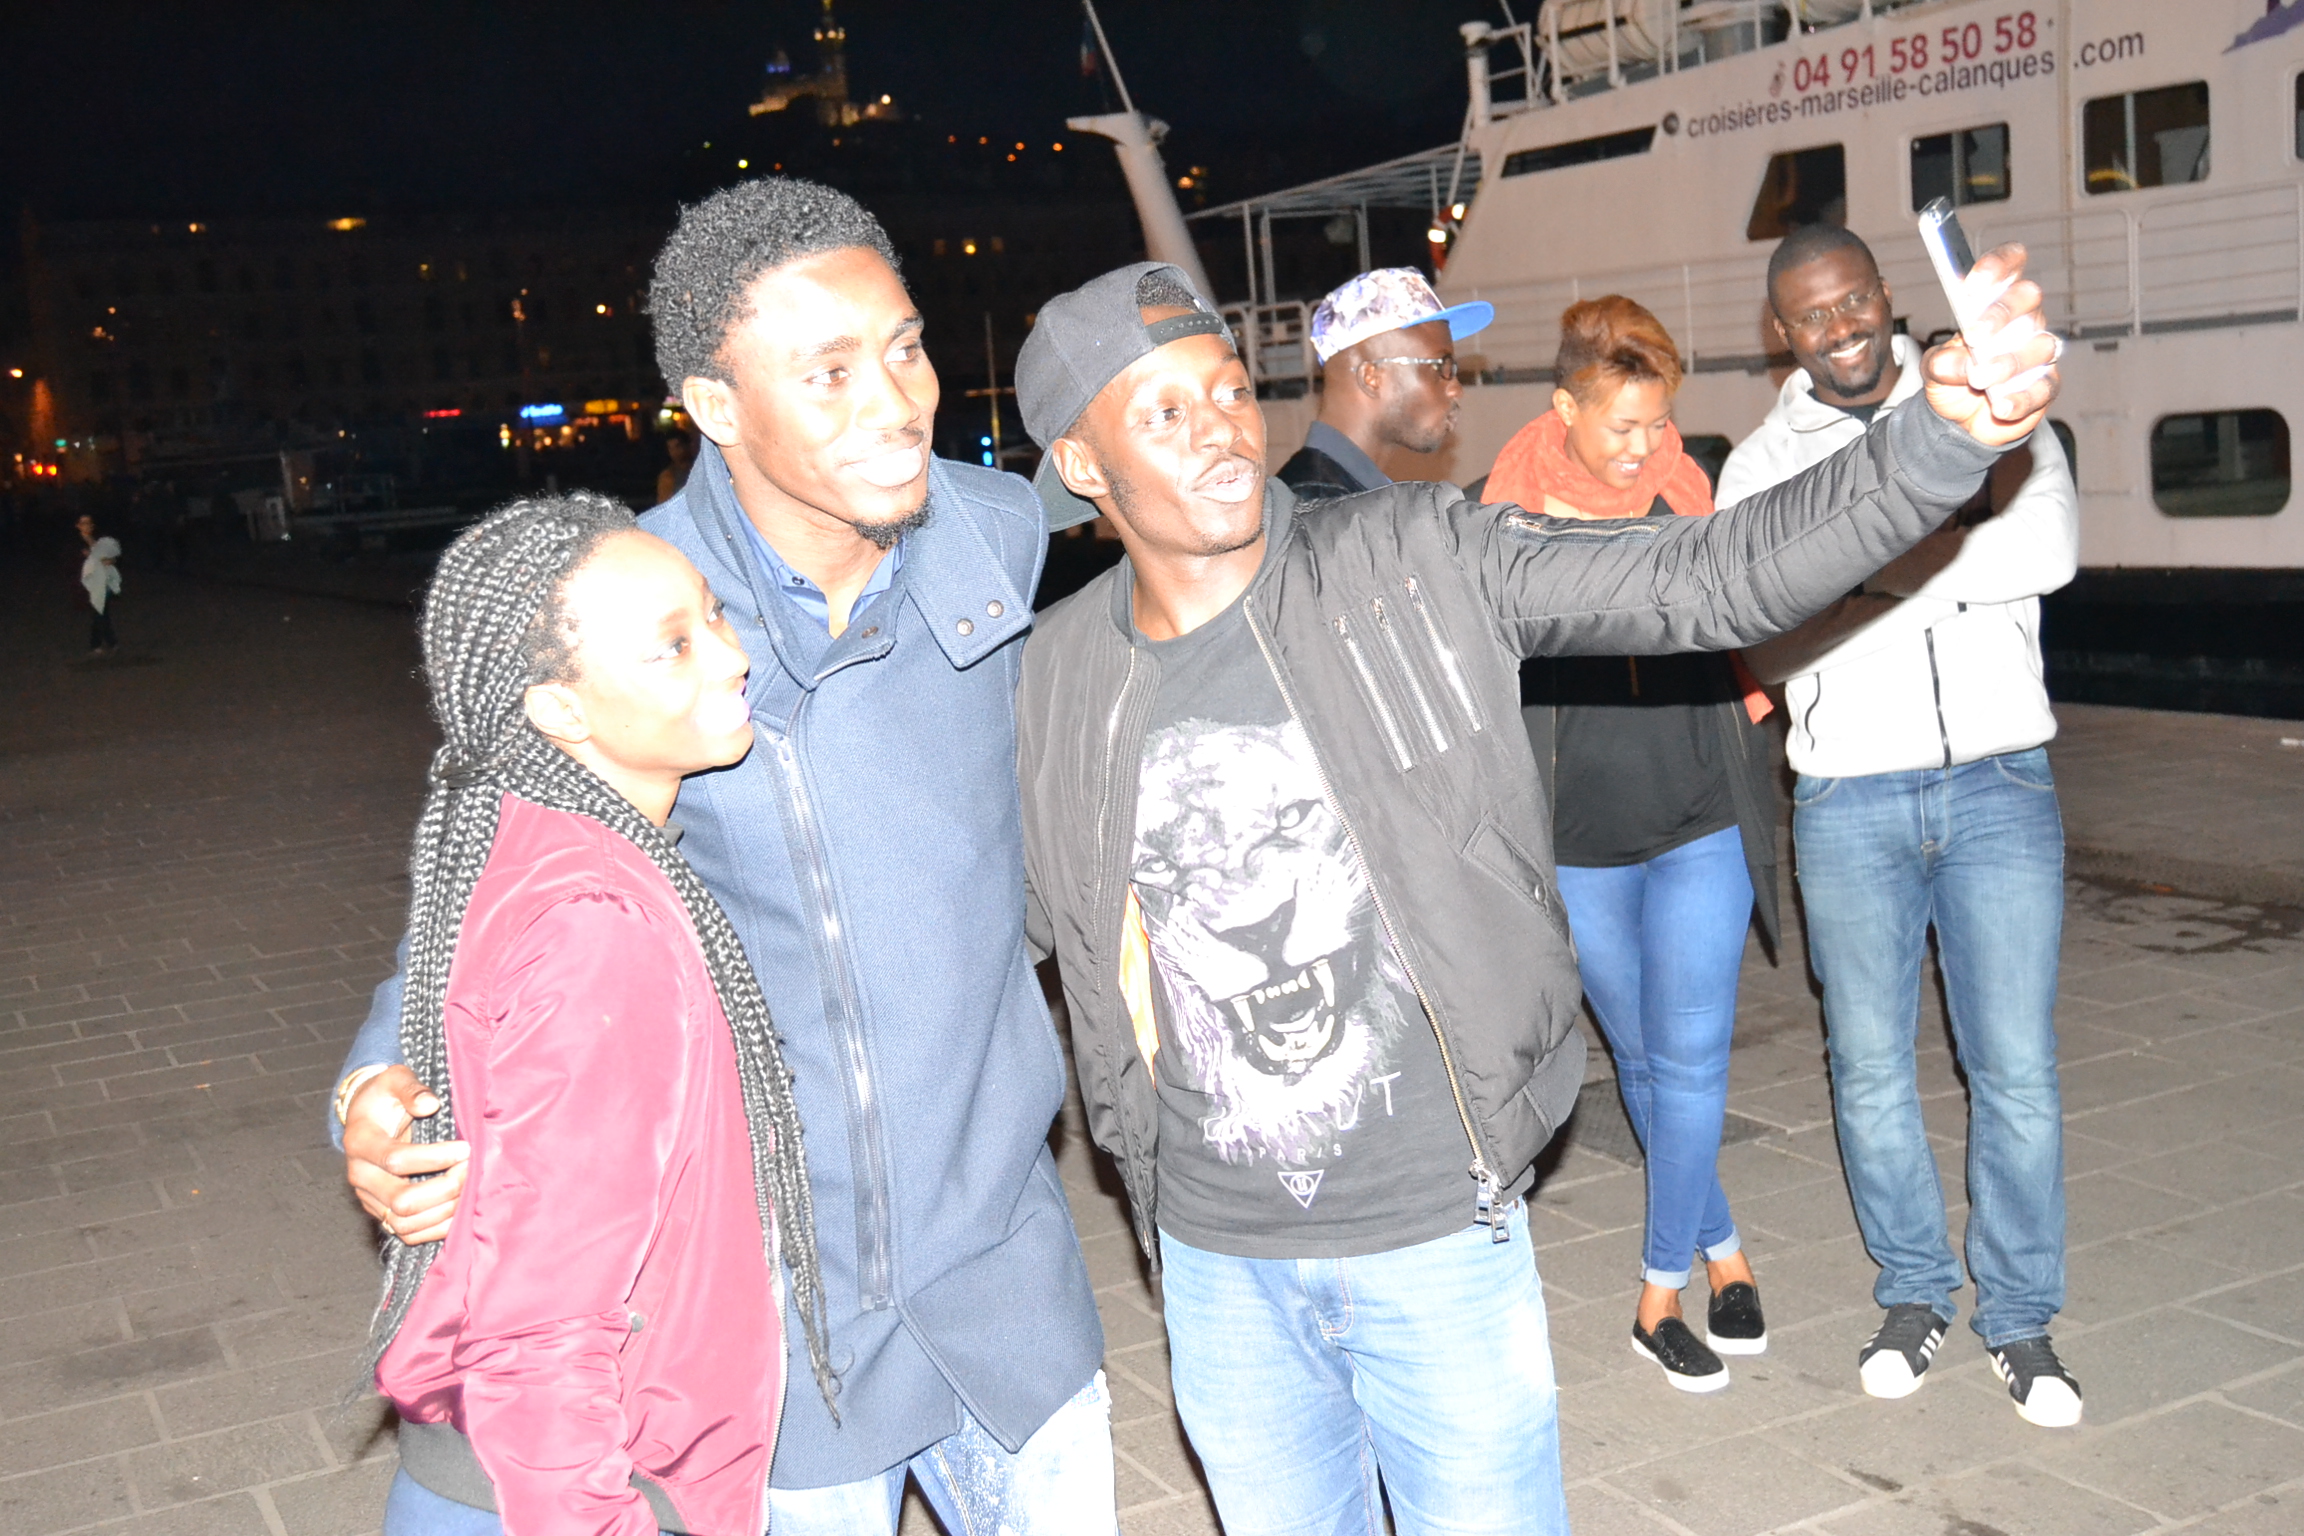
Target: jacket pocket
[(1496, 853), (1391, 633), (1388, 721), (1450, 660)]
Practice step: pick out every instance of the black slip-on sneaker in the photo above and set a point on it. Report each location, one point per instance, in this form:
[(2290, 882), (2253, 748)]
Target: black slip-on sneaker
[(1687, 1364), (2045, 1392), (1733, 1324), (1895, 1362)]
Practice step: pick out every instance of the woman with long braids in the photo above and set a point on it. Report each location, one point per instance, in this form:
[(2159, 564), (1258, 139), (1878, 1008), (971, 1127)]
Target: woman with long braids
[(598, 1346)]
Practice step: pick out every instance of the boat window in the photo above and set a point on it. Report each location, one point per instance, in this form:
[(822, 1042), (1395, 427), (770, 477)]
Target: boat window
[(2220, 464), (1552, 157), (2146, 138), (2070, 445), (1970, 166), (1802, 186)]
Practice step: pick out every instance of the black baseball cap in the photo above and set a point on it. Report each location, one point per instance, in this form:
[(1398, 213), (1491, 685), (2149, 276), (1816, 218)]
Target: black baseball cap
[(1080, 343)]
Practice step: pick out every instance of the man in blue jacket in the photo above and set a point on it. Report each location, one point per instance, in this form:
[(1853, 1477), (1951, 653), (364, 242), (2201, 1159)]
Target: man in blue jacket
[(870, 854)]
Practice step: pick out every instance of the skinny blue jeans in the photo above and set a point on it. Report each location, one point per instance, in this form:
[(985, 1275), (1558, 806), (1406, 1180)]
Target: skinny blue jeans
[(1313, 1389), (1662, 948), (1977, 850)]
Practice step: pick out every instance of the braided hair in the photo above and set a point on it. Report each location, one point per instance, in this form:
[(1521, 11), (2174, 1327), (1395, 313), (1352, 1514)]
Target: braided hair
[(495, 623)]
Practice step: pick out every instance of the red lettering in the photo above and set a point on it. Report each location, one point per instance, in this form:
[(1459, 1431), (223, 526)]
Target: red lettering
[(2026, 30)]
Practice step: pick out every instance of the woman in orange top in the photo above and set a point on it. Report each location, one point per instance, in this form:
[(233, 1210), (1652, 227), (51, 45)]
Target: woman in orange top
[(1664, 824)]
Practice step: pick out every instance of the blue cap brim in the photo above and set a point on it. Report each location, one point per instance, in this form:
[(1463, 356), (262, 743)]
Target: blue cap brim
[(1466, 319)]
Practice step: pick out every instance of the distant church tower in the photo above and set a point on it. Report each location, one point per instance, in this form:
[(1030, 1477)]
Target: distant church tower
[(828, 87)]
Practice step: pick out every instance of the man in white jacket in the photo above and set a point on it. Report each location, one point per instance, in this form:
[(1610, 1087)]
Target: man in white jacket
[(1918, 717)]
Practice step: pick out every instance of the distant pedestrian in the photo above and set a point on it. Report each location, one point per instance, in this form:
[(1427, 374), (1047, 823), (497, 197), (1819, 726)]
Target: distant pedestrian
[(1387, 351), (1919, 720), (680, 451), (1664, 821), (100, 578)]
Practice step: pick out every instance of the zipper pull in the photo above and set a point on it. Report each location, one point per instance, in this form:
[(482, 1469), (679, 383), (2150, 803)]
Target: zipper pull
[(1488, 1208)]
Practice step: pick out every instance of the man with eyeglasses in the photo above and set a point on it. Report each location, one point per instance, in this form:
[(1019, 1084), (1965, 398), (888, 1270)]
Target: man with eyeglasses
[(1387, 351), (1918, 724)]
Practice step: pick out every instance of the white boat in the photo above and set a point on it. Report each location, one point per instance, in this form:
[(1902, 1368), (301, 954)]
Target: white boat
[(2146, 152)]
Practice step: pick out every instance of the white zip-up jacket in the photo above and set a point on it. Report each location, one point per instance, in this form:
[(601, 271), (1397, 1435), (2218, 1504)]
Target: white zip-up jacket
[(1952, 673)]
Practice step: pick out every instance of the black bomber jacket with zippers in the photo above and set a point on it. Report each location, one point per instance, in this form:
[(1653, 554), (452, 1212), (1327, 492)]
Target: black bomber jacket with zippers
[(1395, 622)]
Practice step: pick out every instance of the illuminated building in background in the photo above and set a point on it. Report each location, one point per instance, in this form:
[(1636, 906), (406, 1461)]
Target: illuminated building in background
[(272, 330)]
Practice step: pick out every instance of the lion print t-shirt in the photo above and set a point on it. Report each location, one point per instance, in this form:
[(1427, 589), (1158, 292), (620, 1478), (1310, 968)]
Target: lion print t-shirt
[(1304, 1112)]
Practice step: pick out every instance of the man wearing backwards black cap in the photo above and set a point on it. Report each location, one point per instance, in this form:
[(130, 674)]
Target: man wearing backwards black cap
[(1284, 833)]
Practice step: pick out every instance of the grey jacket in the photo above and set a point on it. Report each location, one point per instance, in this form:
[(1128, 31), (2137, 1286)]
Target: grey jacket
[(1394, 623)]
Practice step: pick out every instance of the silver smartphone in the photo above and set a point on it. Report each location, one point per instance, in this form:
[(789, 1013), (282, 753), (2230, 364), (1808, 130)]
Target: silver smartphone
[(1950, 255)]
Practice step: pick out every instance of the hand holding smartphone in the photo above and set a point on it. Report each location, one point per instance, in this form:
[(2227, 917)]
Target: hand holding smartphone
[(1954, 260)]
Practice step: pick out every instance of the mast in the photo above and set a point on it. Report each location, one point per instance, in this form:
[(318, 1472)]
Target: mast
[(1135, 139)]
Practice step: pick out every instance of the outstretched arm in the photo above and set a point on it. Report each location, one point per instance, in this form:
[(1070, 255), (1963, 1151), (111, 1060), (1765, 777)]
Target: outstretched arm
[(1562, 586)]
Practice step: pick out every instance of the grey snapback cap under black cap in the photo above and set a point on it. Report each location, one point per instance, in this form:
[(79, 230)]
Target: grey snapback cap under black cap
[(1080, 343)]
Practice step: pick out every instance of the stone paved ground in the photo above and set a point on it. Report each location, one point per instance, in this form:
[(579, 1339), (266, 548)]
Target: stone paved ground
[(199, 879)]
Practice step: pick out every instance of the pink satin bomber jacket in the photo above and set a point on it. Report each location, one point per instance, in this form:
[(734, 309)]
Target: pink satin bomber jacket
[(604, 1308)]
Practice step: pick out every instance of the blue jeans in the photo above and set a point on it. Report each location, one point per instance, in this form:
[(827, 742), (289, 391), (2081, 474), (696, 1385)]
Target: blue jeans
[(1979, 851), (1662, 947), (1304, 1383), (1059, 1484), (411, 1509)]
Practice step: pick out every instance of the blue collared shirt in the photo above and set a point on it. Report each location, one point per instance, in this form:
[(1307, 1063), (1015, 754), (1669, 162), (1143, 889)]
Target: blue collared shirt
[(809, 596), (1348, 454)]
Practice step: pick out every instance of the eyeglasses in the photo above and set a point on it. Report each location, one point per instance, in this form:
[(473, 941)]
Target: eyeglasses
[(1443, 366), (1816, 319)]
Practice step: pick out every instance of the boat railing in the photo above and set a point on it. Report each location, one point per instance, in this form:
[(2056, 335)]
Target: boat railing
[(1275, 342), (2185, 261), (1574, 46)]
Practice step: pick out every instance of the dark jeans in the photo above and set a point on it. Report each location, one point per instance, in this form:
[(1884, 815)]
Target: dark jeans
[(100, 636)]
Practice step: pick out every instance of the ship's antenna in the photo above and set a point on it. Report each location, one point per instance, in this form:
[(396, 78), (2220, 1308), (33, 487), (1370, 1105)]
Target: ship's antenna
[(1111, 62)]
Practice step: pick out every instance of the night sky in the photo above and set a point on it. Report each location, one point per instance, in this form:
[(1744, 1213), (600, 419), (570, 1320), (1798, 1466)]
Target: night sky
[(231, 107)]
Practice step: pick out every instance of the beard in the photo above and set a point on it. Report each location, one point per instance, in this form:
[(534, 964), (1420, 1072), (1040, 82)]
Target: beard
[(886, 534), (1847, 388), (1401, 427)]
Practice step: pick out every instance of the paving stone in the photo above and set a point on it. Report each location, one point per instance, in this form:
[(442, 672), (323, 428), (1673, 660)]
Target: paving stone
[(2005, 1499), (1735, 1488), (2125, 1276), (64, 1498), (2280, 1395), (76, 1434), (2161, 1356), (243, 1456), (2194, 1458)]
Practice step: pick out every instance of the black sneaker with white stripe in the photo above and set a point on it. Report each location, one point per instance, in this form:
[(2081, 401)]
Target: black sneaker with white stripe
[(2046, 1394), (1896, 1361)]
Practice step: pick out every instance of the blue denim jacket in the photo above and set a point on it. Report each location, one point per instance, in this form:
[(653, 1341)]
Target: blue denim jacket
[(870, 852)]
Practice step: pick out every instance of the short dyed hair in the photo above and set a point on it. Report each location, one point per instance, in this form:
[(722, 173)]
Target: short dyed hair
[(1811, 242), (704, 274), (1609, 342)]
